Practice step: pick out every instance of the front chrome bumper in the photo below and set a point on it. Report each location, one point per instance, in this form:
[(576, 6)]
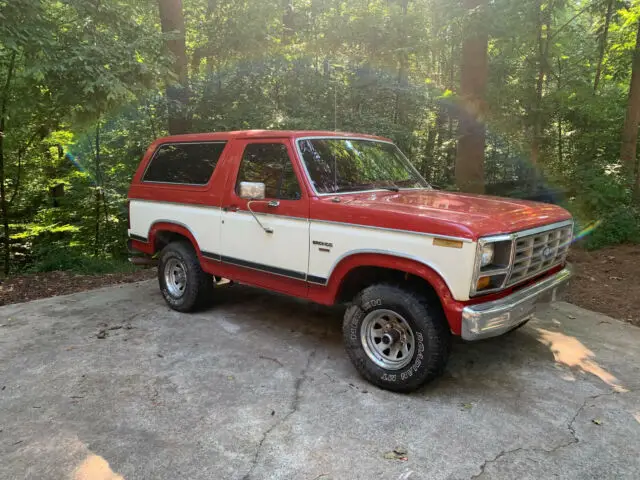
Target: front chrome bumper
[(496, 317)]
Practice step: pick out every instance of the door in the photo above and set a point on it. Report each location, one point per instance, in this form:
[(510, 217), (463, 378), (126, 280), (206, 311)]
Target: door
[(278, 241)]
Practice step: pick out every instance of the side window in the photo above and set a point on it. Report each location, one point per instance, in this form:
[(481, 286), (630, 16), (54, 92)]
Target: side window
[(270, 164), (186, 163)]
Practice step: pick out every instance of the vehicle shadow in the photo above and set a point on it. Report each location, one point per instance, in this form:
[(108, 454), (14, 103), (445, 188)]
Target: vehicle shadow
[(506, 362), (284, 312)]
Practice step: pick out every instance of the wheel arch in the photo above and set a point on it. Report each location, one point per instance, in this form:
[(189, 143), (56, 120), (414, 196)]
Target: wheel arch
[(162, 232), (357, 270)]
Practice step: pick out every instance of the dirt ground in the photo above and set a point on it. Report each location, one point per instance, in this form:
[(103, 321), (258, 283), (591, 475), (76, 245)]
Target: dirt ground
[(25, 288), (606, 281)]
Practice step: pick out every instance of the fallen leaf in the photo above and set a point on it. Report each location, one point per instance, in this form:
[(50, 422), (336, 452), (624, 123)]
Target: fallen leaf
[(615, 278), (230, 377), (571, 317), (466, 406), (597, 421), (398, 453)]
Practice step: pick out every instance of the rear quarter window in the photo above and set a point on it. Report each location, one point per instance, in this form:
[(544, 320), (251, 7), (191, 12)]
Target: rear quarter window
[(184, 163)]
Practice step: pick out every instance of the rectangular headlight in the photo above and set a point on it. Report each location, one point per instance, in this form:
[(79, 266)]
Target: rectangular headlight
[(493, 257)]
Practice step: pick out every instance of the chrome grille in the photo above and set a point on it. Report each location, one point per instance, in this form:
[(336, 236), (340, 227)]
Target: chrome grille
[(538, 252)]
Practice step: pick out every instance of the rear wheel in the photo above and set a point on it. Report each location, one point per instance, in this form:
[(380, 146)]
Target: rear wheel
[(183, 284), (395, 338)]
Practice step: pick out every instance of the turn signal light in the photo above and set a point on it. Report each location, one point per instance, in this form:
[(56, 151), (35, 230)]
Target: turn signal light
[(483, 282)]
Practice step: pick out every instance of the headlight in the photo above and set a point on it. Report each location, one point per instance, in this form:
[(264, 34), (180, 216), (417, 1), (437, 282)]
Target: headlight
[(487, 254)]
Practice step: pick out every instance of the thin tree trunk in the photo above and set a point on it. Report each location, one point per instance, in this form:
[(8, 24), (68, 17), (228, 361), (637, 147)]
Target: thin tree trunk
[(3, 194), (603, 45), (630, 129), (403, 67), (96, 241), (469, 168), (172, 23), (544, 23), (560, 139), (21, 153)]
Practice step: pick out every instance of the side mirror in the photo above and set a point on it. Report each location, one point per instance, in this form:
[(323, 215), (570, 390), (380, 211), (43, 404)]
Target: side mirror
[(252, 190)]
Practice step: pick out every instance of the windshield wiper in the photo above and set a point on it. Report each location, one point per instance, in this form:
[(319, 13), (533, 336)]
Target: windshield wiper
[(391, 188)]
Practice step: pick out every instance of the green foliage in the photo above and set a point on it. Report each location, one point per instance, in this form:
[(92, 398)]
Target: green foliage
[(61, 256), (86, 98)]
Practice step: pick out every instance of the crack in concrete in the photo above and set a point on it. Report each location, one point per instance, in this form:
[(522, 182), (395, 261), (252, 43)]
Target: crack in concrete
[(295, 403), (570, 427)]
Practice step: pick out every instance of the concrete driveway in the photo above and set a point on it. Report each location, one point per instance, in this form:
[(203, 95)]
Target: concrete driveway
[(259, 387)]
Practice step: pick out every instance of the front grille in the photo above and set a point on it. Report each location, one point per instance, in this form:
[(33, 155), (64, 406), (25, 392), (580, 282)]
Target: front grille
[(538, 252)]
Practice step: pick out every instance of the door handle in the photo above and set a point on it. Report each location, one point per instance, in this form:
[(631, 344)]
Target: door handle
[(231, 208), (273, 204)]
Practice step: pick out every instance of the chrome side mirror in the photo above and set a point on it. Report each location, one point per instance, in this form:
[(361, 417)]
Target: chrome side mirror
[(252, 190)]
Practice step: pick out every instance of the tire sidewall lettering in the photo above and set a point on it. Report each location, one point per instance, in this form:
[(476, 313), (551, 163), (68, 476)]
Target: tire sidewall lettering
[(387, 376)]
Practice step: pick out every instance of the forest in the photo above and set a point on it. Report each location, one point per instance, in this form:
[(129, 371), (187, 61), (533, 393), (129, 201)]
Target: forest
[(523, 98)]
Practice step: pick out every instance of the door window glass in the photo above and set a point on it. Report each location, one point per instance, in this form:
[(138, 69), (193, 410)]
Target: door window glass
[(269, 163)]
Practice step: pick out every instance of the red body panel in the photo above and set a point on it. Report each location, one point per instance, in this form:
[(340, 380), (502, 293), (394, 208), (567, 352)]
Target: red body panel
[(291, 208), (437, 212), (327, 295)]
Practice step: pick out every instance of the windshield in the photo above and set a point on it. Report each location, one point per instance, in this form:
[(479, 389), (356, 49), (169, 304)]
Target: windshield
[(349, 165)]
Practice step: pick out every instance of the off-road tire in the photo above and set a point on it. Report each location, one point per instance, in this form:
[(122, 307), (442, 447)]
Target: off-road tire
[(430, 328), (198, 292)]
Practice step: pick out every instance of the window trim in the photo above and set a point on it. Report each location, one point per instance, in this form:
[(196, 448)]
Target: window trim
[(288, 151), (155, 153), (352, 137)]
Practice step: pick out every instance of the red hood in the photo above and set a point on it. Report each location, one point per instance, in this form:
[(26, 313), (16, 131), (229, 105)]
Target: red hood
[(438, 212)]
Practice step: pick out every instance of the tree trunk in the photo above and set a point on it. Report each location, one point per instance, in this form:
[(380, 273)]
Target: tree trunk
[(96, 242), (603, 44), (4, 208), (469, 168), (403, 72), (172, 23), (630, 129), (560, 137), (544, 39)]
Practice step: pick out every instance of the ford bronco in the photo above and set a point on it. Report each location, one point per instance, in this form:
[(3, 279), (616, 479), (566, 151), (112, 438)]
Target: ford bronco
[(345, 218)]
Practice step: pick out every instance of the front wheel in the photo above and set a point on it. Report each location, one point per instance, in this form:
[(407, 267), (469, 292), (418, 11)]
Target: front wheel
[(183, 284), (395, 338)]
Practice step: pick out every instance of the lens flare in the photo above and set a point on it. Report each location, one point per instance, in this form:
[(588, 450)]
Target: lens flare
[(587, 230), (74, 160)]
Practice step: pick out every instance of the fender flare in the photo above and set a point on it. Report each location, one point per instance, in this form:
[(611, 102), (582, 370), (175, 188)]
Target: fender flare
[(451, 307), (171, 226)]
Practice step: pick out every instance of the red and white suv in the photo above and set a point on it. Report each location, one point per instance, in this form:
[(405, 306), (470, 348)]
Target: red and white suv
[(335, 217)]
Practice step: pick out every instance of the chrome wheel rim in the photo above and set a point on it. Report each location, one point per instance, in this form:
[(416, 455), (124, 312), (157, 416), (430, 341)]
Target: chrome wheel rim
[(175, 277), (388, 339)]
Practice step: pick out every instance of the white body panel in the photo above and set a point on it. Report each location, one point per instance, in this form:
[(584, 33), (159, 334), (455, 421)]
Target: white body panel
[(290, 247), (202, 221), (454, 265), (286, 248)]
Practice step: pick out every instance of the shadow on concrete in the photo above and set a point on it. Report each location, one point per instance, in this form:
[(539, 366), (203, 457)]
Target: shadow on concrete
[(497, 361)]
